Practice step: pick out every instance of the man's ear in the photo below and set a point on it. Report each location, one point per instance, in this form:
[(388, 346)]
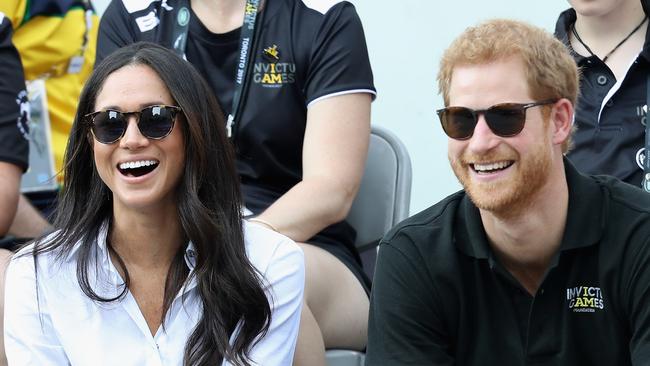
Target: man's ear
[(562, 121)]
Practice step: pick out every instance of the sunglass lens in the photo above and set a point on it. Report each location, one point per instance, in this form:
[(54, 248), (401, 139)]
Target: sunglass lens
[(458, 122), (156, 122), (506, 120), (108, 126)]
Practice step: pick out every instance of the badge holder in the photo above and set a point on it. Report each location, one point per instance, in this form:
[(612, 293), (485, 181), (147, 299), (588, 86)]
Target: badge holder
[(41, 173)]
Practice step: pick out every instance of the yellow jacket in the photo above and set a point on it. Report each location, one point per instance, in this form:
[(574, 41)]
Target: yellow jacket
[(48, 35)]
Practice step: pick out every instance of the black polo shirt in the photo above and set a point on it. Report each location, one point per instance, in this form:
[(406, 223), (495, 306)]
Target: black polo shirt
[(14, 106), (440, 298), (610, 119)]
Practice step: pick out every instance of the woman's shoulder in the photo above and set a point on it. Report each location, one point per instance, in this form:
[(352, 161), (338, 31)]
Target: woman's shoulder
[(47, 256), (265, 247), (26, 264)]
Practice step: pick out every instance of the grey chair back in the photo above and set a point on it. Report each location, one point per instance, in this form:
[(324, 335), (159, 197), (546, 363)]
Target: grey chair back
[(383, 200)]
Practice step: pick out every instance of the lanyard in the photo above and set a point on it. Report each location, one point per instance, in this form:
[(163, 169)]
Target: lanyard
[(645, 183), (246, 38)]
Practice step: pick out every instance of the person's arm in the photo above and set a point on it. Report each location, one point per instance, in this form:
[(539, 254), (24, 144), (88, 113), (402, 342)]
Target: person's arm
[(30, 338), (338, 90), (286, 279), (28, 221), (14, 146), (9, 191), (115, 30), (334, 154), (404, 326)]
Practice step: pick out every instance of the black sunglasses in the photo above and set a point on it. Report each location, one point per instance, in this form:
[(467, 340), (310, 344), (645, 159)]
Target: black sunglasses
[(505, 119), (154, 122)]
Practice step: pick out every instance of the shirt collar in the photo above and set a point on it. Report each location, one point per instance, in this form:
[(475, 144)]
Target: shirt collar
[(106, 263), (584, 224)]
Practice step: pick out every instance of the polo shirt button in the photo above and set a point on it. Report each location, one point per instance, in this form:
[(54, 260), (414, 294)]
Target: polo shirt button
[(541, 291), (609, 103), (601, 80)]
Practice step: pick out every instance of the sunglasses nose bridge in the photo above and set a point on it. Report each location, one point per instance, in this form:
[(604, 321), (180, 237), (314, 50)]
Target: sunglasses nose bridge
[(483, 138), (480, 123), (132, 136)]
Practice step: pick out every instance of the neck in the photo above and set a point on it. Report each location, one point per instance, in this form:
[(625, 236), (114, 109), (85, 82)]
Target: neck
[(146, 240), (526, 242), (219, 16), (610, 27)]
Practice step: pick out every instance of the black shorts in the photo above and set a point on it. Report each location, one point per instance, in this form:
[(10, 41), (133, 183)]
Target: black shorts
[(343, 253)]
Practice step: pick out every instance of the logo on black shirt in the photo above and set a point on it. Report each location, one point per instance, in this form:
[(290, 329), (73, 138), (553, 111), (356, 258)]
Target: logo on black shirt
[(23, 119), (585, 299), (272, 53), (273, 74)]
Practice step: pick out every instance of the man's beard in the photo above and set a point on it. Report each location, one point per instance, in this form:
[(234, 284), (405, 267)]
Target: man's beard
[(510, 196)]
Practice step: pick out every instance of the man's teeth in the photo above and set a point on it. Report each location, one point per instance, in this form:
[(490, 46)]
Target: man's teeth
[(490, 167), (137, 164)]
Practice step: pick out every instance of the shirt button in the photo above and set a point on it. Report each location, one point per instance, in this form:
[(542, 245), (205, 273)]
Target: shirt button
[(609, 103), (601, 80)]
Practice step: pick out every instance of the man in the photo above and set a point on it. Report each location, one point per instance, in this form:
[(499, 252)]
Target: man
[(610, 42), (532, 263)]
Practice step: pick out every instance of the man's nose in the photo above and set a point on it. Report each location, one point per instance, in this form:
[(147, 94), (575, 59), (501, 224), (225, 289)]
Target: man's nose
[(483, 139)]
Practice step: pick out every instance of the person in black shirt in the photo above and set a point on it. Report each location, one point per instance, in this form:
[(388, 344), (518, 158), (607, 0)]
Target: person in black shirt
[(609, 41), (532, 263), (14, 128), (14, 143), (301, 130)]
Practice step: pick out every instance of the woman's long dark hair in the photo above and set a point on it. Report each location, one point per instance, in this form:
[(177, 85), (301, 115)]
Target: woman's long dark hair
[(209, 203)]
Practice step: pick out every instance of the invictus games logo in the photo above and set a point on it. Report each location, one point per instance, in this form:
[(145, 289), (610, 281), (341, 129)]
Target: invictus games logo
[(584, 299), (274, 73)]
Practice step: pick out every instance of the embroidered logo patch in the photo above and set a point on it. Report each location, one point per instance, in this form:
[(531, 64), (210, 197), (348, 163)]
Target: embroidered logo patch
[(584, 299), (272, 53), (274, 73)]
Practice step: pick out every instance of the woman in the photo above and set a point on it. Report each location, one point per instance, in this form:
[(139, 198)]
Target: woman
[(610, 42), (299, 87), (152, 264)]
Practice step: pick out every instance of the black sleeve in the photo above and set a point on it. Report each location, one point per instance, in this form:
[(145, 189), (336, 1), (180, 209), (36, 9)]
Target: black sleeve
[(339, 55), (639, 310), (14, 106), (116, 29), (404, 326)]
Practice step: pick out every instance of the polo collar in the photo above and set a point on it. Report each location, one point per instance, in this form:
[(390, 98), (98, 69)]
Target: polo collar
[(584, 225)]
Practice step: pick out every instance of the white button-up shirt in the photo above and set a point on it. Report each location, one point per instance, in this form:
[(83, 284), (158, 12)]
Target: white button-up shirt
[(62, 326)]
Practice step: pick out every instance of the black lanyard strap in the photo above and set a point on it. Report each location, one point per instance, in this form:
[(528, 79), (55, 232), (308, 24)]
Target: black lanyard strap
[(645, 184), (246, 39)]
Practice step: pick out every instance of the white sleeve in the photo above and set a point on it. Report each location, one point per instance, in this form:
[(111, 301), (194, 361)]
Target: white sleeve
[(286, 277), (29, 336)]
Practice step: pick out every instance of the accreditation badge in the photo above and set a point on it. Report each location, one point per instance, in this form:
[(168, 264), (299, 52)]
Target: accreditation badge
[(41, 173)]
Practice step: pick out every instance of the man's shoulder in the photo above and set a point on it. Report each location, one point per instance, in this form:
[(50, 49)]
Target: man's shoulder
[(430, 227), (624, 197)]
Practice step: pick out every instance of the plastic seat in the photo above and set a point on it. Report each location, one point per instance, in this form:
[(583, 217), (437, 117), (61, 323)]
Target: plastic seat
[(383, 200)]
